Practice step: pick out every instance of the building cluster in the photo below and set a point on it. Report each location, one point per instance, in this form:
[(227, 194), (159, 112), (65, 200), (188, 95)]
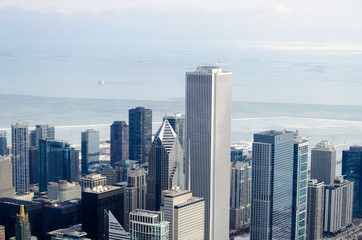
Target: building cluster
[(184, 182)]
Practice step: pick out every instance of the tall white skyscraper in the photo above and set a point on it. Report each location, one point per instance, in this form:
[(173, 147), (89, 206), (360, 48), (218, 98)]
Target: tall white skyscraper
[(208, 123)]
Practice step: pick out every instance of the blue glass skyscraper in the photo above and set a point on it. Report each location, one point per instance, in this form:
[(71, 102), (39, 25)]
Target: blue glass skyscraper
[(300, 175), (56, 162), (90, 151), (3, 143), (272, 185)]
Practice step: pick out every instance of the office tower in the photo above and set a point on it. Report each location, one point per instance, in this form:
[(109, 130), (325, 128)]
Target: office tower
[(56, 162), (236, 154), (338, 205), (315, 209), (6, 178), (300, 178), (42, 131), (90, 151), (184, 213), (114, 230), (94, 202), (61, 215), (33, 166), (20, 157), (78, 174), (121, 169), (135, 193), (272, 185), (2, 232), (10, 207), (92, 181), (165, 165), (208, 124), (140, 133), (22, 227), (351, 170), (64, 191), (177, 122), (240, 195), (323, 162), (145, 224), (3, 143), (107, 171), (119, 142)]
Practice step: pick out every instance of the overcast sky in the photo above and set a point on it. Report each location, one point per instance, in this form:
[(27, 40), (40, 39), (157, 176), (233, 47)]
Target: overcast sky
[(264, 20)]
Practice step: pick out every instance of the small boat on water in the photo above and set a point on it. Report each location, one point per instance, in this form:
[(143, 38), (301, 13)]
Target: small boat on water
[(101, 82)]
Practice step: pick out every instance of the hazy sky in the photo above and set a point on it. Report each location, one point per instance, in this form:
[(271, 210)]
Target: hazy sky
[(278, 20)]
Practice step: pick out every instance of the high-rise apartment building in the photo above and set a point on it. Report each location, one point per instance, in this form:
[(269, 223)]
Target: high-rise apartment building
[(94, 203), (145, 224), (20, 157), (184, 213), (6, 178), (208, 129), (56, 162), (177, 122), (300, 178), (315, 209), (42, 131), (90, 151), (3, 143), (135, 193), (64, 191), (240, 204), (140, 133), (323, 162), (272, 185), (119, 142), (236, 154), (165, 166), (338, 205), (351, 170)]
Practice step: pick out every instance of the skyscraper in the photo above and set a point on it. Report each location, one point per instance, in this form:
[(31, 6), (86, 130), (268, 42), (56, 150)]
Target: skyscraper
[(177, 122), (3, 143), (300, 178), (165, 166), (351, 170), (64, 191), (33, 165), (140, 133), (42, 131), (184, 213), (240, 203), (107, 171), (272, 185), (22, 228), (2, 232), (56, 162), (20, 157), (6, 178), (119, 142), (90, 151), (315, 209), (323, 162), (113, 229), (208, 124), (92, 181)]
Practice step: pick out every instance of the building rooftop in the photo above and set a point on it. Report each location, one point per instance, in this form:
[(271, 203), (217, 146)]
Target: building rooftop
[(324, 145), (101, 189), (65, 204), (273, 132)]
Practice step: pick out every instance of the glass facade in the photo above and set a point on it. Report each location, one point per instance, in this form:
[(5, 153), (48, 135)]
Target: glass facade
[(3, 144), (90, 151), (119, 142)]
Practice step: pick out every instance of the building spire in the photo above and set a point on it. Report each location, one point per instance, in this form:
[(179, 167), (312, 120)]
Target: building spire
[(22, 211)]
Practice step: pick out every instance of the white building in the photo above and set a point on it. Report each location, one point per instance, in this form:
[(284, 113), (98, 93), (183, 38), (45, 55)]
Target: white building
[(208, 127), (64, 191), (92, 180)]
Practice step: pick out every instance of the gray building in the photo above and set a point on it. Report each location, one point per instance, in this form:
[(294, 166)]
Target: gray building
[(240, 203), (351, 170), (177, 122), (42, 131), (300, 178), (338, 206), (208, 134), (90, 151), (315, 212), (165, 165), (323, 162), (3, 143), (20, 157), (272, 185), (113, 229), (6, 178), (140, 133), (119, 142)]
